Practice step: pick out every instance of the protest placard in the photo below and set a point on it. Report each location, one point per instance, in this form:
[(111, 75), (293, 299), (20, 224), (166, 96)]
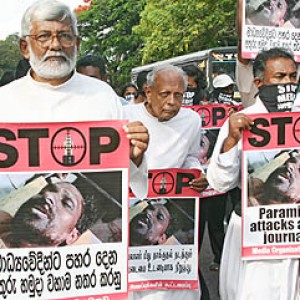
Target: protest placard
[(163, 252), (63, 210), (269, 24), (271, 187)]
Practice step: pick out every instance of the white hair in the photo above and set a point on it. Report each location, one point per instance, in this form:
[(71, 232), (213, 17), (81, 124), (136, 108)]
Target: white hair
[(169, 68), (48, 10)]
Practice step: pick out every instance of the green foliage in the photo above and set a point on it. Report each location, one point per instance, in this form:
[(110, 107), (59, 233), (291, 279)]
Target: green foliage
[(106, 29), (9, 53), (170, 28), (129, 33)]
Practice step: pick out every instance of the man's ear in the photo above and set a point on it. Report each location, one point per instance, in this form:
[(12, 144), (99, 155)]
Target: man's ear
[(23, 45), (148, 93), (162, 239), (77, 43), (73, 236), (258, 82)]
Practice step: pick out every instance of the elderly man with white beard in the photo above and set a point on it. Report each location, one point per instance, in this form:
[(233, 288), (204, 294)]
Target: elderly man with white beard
[(52, 91)]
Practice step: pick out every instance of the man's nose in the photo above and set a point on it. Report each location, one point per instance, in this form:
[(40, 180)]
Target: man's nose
[(171, 99), (55, 43)]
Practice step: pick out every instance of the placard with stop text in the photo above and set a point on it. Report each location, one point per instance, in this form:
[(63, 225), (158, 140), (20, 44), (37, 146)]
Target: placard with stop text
[(271, 187), (213, 117), (64, 210), (267, 25), (163, 234)]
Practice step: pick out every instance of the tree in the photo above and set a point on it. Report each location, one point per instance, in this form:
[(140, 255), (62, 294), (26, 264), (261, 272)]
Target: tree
[(9, 53), (170, 28), (106, 29), (129, 33)]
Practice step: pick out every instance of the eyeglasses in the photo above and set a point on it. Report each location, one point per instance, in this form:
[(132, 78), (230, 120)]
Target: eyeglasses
[(45, 39)]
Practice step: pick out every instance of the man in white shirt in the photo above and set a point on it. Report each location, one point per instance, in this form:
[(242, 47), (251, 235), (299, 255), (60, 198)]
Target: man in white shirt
[(264, 279), (53, 91), (175, 131), (175, 140)]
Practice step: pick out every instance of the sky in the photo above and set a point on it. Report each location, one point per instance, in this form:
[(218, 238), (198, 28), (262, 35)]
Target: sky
[(11, 14)]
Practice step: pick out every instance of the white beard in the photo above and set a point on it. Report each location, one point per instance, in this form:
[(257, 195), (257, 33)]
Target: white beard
[(51, 69)]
